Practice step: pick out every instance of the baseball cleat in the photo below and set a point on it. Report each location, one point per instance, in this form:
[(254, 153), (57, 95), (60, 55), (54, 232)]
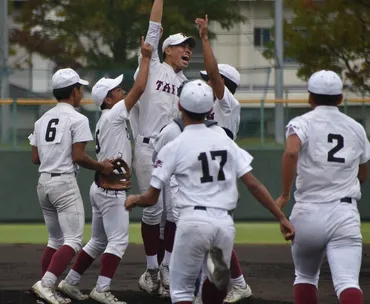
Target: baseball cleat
[(165, 273), (150, 281), (164, 292), (105, 297), (217, 268), (48, 294), (72, 291), (238, 293)]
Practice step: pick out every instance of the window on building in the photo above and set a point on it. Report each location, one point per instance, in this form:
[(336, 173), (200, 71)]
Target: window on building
[(261, 36)]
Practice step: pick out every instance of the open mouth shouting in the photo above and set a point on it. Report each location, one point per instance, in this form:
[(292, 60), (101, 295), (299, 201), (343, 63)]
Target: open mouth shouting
[(185, 59)]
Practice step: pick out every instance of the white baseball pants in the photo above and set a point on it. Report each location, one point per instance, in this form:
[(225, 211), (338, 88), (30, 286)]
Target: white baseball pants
[(197, 231), (63, 210), (110, 223), (331, 228)]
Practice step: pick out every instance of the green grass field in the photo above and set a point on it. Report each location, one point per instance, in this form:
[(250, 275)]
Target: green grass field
[(246, 233)]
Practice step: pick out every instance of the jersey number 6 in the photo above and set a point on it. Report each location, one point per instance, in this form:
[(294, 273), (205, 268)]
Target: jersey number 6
[(340, 144), (207, 178), (51, 130)]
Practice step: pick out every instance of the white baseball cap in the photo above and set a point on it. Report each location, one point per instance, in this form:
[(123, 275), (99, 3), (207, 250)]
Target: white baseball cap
[(325, 82), (102, 87), (66, 77), (197, 97), (227, 71), (177, 39)]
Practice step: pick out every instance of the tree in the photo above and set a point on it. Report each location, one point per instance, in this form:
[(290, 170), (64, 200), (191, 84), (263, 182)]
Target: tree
[(106, 33), (330, 34)]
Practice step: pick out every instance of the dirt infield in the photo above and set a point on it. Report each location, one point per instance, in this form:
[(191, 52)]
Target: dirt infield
[(268, 270)]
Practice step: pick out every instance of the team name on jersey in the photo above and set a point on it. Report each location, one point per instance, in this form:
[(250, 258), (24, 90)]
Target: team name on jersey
[(166, 87)]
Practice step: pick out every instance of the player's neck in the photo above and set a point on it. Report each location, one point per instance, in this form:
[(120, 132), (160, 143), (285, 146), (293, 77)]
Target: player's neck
[(175, 68), (69, 101), (188, 121)]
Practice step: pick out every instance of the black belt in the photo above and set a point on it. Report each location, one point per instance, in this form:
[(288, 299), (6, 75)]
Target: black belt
[(346, 200), (58, 174), (146, 140), (229, 212)]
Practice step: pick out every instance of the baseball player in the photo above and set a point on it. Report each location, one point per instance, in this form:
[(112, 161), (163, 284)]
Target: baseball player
[(58, 146), (110, 220), (206, 167), (158, 106), (328, 152), (224, 79)]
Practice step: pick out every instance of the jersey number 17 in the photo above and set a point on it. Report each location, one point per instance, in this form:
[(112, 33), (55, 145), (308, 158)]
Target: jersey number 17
[(207, 178)]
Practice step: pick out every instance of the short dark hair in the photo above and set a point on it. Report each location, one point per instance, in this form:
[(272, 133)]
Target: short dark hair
[(65, 93), (103, 106), (325, 100), (195, 116)]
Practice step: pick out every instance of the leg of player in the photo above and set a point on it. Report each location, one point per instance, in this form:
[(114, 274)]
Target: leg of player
[(346, 241), (62, 194), (116, 225), (308, 251), (240, 289), (161, 249), (150, 225), (93, 249)]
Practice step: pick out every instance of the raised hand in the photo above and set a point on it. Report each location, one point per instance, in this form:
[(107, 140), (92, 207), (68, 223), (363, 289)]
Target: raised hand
[(202, 27), (146, 48)]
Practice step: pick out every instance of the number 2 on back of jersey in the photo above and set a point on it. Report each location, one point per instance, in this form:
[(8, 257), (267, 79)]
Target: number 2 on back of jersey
[(207, 178), (340, 144)]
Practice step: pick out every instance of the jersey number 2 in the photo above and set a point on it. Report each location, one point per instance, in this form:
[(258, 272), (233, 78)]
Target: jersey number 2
[(51, 130), (340, 144), (207, 178)]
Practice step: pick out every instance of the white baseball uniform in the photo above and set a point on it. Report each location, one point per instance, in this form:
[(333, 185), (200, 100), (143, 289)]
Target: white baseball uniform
[(226, 112), (325, 215), (110, 220), (206, 167), (158, 106), (168, 134), (60, 199)]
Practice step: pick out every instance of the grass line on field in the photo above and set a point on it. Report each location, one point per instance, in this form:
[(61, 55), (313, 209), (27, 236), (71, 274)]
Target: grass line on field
[(246, 233)]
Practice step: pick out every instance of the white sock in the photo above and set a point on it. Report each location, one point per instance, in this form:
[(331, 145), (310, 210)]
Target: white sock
[(73, 277), (103, 284), (240, 282), (49, 279), (152, 262), (167, 258)]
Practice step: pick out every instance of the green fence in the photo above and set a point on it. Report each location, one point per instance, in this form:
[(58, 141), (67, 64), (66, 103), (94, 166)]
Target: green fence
[(18, 180)]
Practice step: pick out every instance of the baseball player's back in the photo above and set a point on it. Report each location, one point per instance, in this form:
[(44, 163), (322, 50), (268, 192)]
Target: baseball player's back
[(333, 146), (55, 132), (328, 151)]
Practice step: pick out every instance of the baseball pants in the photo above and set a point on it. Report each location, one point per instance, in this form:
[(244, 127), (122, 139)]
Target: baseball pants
[(332, 228), (110, 223), (197, 231), (63, 210)]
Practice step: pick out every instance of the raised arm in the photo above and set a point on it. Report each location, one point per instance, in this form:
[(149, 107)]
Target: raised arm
[(209, 59), (142, 77), (157, 11)]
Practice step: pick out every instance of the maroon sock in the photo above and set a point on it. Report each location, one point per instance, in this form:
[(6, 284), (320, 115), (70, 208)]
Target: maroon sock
[(150, 234), (169, 235), (236, 270), (351, 296), (305, 294), (46, 259), (60, 260), (211, 295), (161, 250), (109, 264), (83, 262)]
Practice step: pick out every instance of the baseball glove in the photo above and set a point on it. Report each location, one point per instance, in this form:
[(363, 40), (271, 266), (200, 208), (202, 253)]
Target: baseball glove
[(118, 180)]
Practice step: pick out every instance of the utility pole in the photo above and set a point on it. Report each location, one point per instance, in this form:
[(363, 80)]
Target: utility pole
[(4, 72), (279, 72)]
